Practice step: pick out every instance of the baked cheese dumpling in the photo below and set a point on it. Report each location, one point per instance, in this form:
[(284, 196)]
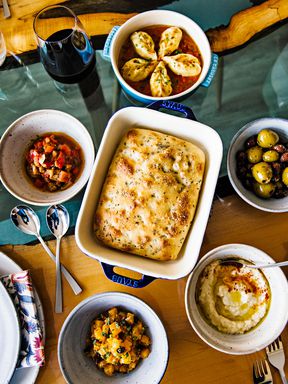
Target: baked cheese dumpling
[(150, 194), (144, 45), (137, 69), (169, 41), (160, 82), (183, 64)]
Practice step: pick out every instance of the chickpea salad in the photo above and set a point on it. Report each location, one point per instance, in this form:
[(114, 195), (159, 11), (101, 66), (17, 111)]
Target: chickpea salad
[(117, 341), (262, 166)]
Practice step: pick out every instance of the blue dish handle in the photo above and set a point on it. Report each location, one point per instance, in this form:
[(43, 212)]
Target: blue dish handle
[(172, 105), (211, 72), (108, 42), (127, 281)]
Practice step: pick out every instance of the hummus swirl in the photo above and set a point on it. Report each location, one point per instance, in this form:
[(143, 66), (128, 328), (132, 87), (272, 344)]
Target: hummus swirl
[(233, 299)]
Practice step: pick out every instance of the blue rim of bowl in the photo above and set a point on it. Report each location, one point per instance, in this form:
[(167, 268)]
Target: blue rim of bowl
[(232, 143), (75, 309), (149, 99)]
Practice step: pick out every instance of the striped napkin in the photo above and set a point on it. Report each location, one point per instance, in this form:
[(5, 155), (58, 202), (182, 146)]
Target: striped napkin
[(19, 286)]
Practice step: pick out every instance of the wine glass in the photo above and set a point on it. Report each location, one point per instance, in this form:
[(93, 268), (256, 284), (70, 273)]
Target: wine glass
[(65, 49), (2, 49), (17, 85)]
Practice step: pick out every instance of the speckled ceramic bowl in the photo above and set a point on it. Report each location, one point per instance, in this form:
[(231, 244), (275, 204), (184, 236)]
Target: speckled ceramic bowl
[(77, 368), (15, 142), (262, 335)]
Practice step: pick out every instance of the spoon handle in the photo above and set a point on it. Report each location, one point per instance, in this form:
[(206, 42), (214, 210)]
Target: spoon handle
[(59, 294), (261, 266), (73, 283)]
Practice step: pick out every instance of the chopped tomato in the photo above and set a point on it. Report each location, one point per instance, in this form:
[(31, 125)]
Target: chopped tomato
[(75, 171), (53, 162), (65, 149), (64, 177), (48, 148), (38, 145), (48, 164), (60, 161), (30, 156)]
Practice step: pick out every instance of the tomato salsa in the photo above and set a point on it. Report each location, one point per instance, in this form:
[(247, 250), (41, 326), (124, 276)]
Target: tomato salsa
[(53, 162), (179, 83)]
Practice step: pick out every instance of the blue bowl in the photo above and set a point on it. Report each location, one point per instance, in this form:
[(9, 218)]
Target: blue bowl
[(118, 36)]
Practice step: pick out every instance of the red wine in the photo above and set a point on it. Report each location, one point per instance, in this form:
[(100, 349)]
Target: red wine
[(68, 56)]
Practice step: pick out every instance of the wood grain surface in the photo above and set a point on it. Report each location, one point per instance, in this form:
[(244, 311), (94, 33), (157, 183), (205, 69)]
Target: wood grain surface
[(18, 30), (191, 360), (98, 18), (246, 24)]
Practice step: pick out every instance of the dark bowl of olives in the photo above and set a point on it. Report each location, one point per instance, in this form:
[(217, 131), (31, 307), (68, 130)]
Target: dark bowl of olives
[(257, 164)]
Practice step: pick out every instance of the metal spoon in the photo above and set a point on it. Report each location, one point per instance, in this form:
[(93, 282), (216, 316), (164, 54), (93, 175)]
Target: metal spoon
[(239, 264), (58, 221), (26, 220)]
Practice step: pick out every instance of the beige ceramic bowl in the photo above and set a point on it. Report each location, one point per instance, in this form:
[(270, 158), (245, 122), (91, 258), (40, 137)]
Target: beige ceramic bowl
[(16, 140), (259, 337), (78, 368), (281, 127)]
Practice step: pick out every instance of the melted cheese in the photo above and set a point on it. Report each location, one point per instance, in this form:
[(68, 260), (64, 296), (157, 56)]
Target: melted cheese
[(150, 194)]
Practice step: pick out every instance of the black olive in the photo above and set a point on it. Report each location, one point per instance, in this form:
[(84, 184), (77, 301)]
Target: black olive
[(241, 157), (251, 141), (241, 172), (121, 350)]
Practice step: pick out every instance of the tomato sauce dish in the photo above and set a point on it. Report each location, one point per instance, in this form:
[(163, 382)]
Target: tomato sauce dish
[(46, 157)]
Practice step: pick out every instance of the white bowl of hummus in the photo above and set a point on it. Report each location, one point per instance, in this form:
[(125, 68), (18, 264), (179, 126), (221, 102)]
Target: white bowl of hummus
[(237, 310)]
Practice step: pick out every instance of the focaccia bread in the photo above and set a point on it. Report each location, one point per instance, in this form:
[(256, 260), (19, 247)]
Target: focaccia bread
[(150, 194)]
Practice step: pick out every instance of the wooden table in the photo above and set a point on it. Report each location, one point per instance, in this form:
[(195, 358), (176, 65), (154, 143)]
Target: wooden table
[(99, 16), (231, 221)]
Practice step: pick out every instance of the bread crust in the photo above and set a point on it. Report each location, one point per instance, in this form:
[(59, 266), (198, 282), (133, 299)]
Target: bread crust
[(150, 194)]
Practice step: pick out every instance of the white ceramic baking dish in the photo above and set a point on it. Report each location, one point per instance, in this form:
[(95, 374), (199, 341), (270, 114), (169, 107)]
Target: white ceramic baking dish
[(200, 134)]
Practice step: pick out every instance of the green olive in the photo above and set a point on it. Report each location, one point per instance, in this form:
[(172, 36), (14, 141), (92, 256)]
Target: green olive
[(254, 154), (262, 172), (270, 156), (285, 176), (264, 190), (267, 138)]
